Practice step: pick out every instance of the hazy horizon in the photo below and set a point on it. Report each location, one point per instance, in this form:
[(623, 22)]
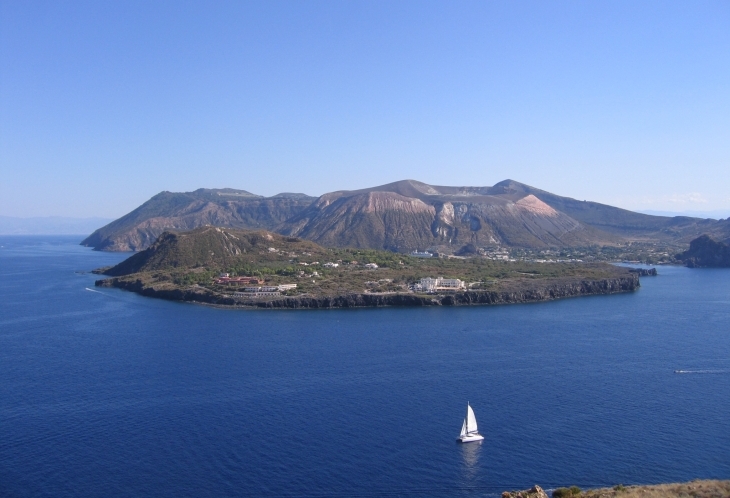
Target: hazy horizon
[(50, 225)]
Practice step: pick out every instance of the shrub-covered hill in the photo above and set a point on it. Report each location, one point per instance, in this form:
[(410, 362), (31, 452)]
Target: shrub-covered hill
[(213, 247)]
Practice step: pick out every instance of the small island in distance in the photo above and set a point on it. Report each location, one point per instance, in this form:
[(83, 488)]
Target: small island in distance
[(260, 269)]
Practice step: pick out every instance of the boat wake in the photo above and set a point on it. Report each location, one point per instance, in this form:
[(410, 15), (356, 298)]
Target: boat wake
[(716, 371), (93, 290)]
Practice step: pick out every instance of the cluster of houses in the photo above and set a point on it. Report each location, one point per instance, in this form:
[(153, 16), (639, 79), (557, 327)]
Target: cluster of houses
[(440, 284), (428, 285)]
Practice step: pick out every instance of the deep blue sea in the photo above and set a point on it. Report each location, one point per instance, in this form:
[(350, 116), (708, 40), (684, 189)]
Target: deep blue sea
[(106, 393)]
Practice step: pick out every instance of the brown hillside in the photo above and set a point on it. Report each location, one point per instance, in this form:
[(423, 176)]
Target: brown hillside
[(404, 216)]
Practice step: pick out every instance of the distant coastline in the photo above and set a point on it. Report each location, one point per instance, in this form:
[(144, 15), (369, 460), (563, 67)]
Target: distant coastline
[(50, 225)]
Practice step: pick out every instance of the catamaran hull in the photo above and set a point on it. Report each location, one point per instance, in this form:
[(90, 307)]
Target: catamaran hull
[(471, 438)]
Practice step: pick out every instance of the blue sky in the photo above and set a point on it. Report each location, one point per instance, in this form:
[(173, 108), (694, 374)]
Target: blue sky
[(103, 104)]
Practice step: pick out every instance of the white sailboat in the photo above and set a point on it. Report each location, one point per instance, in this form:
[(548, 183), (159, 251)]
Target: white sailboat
[(469, 430)]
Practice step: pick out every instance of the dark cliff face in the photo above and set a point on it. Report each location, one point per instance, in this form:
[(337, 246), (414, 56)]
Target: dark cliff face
[(524, 293), (644, 272), (706, 252)]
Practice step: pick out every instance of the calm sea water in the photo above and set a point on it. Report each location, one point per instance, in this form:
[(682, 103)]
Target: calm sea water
[(106, 393)]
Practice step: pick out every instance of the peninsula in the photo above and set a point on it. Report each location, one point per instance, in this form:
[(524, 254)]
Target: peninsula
[(259, 269)]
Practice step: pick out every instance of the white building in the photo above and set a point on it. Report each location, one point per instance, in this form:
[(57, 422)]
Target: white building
[(424, 254), (265, 290), (331, 265), (371, 266), (440, 284), (257, 294)]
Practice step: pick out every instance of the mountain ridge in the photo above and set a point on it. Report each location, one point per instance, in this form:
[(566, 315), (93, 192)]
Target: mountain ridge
[(403, 216)]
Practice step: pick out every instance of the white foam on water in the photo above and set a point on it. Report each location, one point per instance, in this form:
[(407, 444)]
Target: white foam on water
[(715, 371)]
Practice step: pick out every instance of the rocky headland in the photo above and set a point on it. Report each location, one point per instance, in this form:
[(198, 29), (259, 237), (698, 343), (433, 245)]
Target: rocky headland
[(706, 252)]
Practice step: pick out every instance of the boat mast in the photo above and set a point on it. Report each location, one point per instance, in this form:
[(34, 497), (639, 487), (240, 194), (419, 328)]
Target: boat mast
[(467, 418)]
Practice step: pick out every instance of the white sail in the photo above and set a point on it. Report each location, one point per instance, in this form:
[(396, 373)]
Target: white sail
[(471, 420), (469, 431)]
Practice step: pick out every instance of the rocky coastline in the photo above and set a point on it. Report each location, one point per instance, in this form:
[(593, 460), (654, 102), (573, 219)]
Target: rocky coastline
[(644, 272), (700, 488), (509, 293)]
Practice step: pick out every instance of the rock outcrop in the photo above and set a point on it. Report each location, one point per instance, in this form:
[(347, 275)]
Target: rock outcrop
[(534, 492), (706, 252), (644, 272)]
